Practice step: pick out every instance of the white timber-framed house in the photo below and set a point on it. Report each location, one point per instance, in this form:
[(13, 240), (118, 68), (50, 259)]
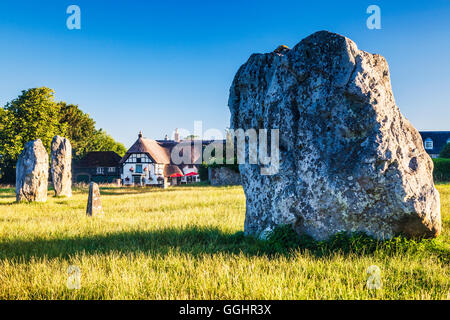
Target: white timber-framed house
[(148, 163)]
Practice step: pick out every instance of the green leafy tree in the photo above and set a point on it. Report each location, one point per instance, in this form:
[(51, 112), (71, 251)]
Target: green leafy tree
[(36, 115), (33, 115), (80, 128), (445, 153), (3, 121), (2, 118), (104, 142)]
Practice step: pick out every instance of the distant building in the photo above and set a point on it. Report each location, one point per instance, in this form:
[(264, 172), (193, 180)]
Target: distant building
[(99, 166), (148, 162), (434, 141)]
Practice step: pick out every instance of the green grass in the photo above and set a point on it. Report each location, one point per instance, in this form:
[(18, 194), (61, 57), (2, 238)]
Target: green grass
[(187, 243)]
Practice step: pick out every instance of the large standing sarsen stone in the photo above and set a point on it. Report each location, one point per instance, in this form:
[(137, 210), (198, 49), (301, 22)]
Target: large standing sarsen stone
[(349, 160), (61, 168), (32, 173)]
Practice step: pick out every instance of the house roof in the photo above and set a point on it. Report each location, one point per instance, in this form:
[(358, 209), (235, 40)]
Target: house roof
[(152, 148), (196, 152), (98, 159), (170, 169), (160, 152), (439, 138)]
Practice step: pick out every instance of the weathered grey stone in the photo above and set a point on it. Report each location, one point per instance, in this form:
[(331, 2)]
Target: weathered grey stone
[(223, 176), (61, 168), (349, 160), (94, 205), (32, 173)]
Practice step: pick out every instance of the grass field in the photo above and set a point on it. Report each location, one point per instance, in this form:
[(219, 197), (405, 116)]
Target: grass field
[(187, 243)]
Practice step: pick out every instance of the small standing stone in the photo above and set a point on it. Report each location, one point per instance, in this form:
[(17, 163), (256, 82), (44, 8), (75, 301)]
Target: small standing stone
[(62, 166), (94, 205), (32, 173)]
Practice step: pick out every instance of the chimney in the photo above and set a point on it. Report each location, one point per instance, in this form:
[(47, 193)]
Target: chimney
[(140, 134), (166, 137), (176, 135)]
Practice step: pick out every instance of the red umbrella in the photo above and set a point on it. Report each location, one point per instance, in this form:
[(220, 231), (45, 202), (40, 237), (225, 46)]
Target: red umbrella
[(176, 175), (191, 174)]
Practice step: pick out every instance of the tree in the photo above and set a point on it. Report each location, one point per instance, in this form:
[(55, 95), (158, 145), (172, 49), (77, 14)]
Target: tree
[(104, 142), (445, 153), (2, 118), (3, 121), (33, 115), (80, 128), (36, 115)]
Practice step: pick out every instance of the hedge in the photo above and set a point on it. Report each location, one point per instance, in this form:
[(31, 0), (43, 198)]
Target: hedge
[(203, 170), (445, 153), (441, 169)]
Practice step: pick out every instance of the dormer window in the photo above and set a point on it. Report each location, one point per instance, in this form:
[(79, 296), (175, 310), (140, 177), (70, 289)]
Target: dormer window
[(138, 158), (428, 144)]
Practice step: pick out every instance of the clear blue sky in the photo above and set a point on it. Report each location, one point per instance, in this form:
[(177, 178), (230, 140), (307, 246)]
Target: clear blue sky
[(157, 65)]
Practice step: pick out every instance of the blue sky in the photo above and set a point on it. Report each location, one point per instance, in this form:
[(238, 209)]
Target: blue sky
[(157, 65)]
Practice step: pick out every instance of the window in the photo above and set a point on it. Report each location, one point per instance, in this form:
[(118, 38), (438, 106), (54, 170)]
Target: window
[(138, 158), (111, 169), (100, 170), (428, 144), (139, 168), (448, 140)]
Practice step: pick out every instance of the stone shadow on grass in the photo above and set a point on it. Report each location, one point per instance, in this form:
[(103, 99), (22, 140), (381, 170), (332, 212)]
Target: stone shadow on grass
[(199, 241), (112, 191), (8, 203), (7, 193), (131, 191)]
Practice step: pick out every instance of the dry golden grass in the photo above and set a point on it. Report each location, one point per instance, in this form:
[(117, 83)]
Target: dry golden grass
[(186, 243)]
